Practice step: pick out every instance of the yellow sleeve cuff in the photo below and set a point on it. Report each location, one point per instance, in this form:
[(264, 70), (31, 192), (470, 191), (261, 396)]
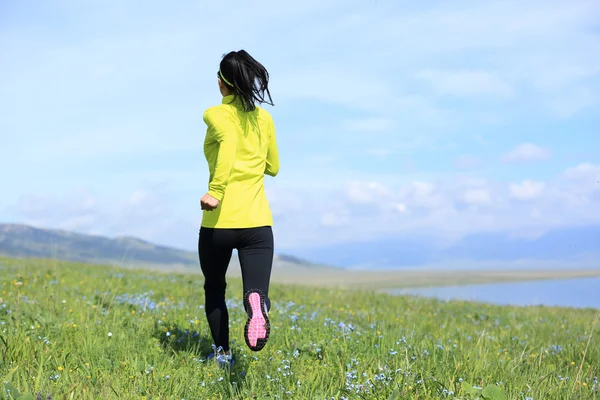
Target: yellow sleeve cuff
[(218, 196)]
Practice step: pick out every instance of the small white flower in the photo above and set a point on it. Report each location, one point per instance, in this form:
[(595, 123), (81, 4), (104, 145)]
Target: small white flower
[(109, 334)]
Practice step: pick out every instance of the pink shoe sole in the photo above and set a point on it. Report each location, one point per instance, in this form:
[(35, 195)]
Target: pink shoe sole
[(256, 331)]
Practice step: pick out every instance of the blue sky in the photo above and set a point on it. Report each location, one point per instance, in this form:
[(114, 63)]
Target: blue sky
[(440, 120)]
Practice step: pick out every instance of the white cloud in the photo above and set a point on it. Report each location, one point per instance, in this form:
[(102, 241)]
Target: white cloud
[(477, 197), (423, 189), (526, 190), (420, 194), (144, 212), (583, 172), (80, 223), (366, 192), (401, 207), (465, 83), (581, 185), (450, 208), (526, 152), (335, 218)]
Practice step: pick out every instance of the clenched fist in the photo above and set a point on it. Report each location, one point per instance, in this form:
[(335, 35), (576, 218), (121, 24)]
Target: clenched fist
[(208, 203)]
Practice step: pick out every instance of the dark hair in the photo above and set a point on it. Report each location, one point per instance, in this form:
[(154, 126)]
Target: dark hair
[(245, 78)]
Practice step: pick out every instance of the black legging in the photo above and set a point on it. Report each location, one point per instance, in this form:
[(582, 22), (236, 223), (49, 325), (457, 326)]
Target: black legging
[(215, 247)]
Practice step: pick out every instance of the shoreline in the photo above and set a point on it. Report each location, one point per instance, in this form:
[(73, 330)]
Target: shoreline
[(391, 280)]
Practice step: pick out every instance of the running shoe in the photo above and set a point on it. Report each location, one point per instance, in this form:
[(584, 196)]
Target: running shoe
[(257, 329), (223, 360)]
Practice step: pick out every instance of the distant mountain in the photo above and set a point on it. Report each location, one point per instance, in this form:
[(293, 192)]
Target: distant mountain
[(558, 244), (561, 248), (26, 241)]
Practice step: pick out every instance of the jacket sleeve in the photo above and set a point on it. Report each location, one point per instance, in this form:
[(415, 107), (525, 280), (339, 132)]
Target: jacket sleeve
[(272, 166), (221, 129)]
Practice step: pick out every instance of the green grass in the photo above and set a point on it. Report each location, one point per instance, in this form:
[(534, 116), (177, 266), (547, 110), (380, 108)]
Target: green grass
[(87, 332)]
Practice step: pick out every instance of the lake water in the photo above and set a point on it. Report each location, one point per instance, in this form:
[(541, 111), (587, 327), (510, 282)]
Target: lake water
[(580, 293)]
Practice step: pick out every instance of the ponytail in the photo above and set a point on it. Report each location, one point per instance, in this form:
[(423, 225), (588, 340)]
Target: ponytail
[(246, 78)]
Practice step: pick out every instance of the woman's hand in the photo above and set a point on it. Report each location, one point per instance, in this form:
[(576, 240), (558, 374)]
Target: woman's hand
[(208, 203)]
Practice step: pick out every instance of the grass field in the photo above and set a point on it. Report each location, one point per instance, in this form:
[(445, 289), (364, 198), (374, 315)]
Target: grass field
[(73, 331)]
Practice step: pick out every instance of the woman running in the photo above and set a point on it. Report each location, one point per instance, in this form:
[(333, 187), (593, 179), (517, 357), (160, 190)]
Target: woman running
[(240, 148)]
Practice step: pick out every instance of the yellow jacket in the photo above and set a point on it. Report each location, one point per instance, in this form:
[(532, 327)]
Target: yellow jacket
[(240, 148)]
